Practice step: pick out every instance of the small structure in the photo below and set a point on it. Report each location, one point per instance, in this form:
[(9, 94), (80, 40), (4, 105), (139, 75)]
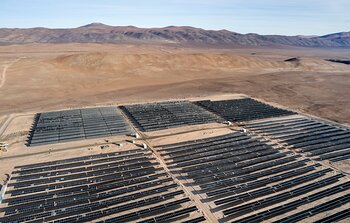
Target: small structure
[(104, 146)]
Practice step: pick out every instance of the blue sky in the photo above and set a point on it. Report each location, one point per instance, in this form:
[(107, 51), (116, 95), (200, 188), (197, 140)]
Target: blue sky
[(288, 17)]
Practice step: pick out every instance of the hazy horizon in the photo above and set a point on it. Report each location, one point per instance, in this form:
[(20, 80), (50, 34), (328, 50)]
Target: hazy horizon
[(159, 27), (297, 17)]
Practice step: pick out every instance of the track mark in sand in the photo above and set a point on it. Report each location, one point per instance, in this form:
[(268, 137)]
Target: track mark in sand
[(3, 75)]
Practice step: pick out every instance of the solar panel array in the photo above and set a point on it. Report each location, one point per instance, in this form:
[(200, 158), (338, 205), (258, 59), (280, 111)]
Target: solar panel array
[(243, 109), (78, 124), (242, 177), (164, 115), (112, 187), (246, 179), (316, 139)]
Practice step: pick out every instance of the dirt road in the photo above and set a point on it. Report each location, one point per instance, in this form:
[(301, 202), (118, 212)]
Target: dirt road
[(3, 74)]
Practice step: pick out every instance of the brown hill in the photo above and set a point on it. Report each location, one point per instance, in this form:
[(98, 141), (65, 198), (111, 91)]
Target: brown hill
[(127, 65), (101, 33), (341, 35)]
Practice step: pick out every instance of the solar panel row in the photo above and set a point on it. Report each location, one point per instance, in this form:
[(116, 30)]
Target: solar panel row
[(112, 187), (164, 115), (284, 208), (70, 125), (246, 109), (78, 124), (242, 174), (317, 139)]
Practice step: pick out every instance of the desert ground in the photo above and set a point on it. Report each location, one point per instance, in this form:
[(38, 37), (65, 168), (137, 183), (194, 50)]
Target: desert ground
[(41, 77)]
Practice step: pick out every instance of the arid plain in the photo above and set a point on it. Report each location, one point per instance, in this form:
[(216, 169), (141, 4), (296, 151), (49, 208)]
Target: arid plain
[(41, 77), (47, 77)]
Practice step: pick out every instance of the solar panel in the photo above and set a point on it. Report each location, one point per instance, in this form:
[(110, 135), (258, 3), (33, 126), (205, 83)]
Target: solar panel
[(71, 125), (241, 173), (165, 115), (318, 139), (94, 187), (246, 109)]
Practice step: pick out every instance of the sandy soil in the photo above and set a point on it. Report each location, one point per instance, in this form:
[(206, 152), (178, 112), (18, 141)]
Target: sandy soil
[(74, 75)]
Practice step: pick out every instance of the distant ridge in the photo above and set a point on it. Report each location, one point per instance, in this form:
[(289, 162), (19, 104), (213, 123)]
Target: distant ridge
[(95, 25), (184, 35)]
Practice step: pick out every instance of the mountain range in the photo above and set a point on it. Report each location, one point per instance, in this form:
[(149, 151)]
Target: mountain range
[(183, 35)]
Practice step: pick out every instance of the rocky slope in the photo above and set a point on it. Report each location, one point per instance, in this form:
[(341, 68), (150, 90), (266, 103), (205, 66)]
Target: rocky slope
[(101, 33)]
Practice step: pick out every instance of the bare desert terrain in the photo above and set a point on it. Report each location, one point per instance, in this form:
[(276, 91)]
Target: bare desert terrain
[(40, 77), (44, 77)]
